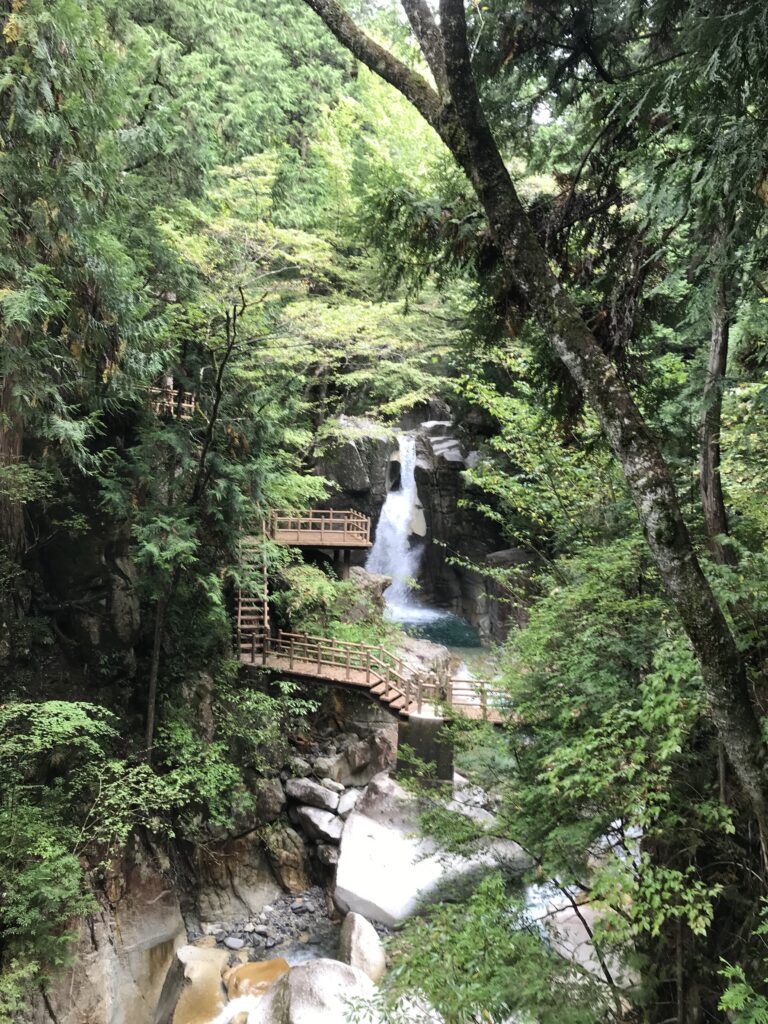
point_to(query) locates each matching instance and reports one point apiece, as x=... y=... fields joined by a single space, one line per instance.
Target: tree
x=453 y=108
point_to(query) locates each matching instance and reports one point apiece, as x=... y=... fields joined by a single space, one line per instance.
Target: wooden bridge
x=370 y=669
x=322 y=528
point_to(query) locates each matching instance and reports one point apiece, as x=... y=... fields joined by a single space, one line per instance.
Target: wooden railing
x=472 y=697
x=321 y=527
x=337 y=660
x=373 y=667
x=172 y=402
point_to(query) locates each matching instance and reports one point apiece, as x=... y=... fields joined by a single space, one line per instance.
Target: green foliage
x=485 y=960
x=63 y=793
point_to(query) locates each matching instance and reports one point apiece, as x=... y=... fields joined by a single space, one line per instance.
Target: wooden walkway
x=322 y=528
x=370 y=669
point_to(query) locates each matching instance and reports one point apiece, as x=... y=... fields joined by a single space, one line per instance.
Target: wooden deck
x=172 y=402
x=322 y=528
x=370 y=669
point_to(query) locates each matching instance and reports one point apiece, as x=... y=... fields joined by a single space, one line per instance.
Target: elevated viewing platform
x=321 y=528
x=172 y=402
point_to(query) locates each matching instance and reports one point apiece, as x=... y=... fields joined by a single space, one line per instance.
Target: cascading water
x=392 y=553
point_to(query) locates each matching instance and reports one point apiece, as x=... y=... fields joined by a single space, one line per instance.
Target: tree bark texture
x=457 y=116
x=154 y=673
x=710 y=485
x=12 y=533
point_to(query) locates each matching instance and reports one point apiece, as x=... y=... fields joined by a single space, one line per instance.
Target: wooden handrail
x=320 y=521
x=172 y=402
x=363 y=664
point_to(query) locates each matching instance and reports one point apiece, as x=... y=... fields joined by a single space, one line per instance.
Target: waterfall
x=392 y=553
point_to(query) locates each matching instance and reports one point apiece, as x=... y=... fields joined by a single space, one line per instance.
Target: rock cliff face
x=356 y=459
x=362 y=460
x=450 y=530
x=123 y=953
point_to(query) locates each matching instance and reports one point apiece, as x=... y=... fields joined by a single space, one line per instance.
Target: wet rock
x=347 y=802
x=317 y=992
x=306 y=791
x=288 y=858
x=192 y=990
x=361 y=947
x=319 y=824
x=269 y=798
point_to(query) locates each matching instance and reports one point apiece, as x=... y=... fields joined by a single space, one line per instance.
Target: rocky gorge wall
x=362 y=463
x=257 y=888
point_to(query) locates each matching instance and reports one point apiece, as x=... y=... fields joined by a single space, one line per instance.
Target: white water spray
x=392 y=553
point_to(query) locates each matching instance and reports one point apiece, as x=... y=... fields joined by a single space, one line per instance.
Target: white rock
x=361 y=947
x=347 y=802
x=320 y=824
x=317 y=992
x=384 y=869
x=478 y=814
x=307 y=791
x=335 y=787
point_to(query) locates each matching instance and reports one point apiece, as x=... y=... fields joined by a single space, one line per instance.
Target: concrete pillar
x=343 y=562
x=425 y=735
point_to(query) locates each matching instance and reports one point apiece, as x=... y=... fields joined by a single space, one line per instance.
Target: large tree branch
x=430 y=40
x=411 y=84
x=462 y=125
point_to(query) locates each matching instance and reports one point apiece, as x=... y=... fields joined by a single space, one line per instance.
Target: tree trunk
x=712 y=501
x=12 y=534
x=458 y=118
x=154 y=672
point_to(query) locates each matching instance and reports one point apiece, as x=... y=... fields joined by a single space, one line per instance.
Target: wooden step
x=379 y=688
x=392 y=695
x=398 y=703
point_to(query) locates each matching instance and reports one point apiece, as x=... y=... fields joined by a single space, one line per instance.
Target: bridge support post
x=426 y=736
x=343 y=560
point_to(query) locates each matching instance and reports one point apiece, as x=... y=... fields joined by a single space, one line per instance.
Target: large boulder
x=306 y=791
x=361 y=947
x=288 y=858
x=319 y=824
x=385 y=869
x=317 y=992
